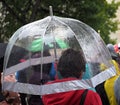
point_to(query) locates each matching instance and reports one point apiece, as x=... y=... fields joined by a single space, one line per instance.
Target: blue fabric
x=87 y=74
x=52 y=72
x=21 y=76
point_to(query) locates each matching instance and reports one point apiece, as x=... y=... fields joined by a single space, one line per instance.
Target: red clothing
x=71 y=97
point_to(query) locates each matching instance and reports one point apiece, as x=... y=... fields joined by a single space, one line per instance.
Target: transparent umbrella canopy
x=44 y=40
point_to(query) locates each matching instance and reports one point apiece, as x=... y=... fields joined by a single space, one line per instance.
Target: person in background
x=11 y=97
x=117 y=50
x=36 y=77
x=106 y=89
x=71 y=66
x=7 y=97
x=2 y=96
x=109 y=84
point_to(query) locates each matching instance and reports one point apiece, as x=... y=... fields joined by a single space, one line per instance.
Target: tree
x=96 y=13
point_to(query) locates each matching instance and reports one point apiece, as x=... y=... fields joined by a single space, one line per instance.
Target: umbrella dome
x=55 y=34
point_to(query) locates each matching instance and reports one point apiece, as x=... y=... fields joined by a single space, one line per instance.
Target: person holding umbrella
x=71 y=66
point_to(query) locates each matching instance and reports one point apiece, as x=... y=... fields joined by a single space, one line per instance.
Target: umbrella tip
x=51 y=10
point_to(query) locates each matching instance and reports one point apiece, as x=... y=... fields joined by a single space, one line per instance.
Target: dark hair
x=71 y=63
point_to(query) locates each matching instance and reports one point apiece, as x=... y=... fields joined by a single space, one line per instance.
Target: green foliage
x=96 y=13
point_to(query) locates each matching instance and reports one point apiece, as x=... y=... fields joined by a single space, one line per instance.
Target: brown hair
x=71 y=63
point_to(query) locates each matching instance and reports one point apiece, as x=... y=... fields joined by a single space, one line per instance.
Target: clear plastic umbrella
x=44 y=40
